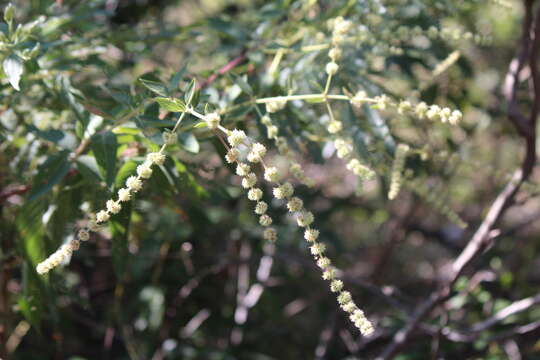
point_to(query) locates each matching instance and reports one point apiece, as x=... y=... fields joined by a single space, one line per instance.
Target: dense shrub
x=177 y=176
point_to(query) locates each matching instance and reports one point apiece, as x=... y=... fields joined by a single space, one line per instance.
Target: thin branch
x=483 y=237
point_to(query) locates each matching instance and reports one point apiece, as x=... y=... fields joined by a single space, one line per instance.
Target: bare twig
x=526 y=127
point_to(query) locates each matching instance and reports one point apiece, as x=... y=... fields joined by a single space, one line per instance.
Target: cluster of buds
x=63 y=254
x=420 y=110
x=340 y=27
x=397 y=170
x=283 y=148
x=405 y=33
x=249 y=178
x=212 y=120
x=133 y=185
x=304 y=219
x=360 y=170
x=276 y=104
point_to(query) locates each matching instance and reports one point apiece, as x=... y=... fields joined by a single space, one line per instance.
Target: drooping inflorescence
x=304 y=219
x=397 y=170
x=247 y=154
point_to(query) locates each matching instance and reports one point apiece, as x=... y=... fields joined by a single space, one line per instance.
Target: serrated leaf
x=170 y=104
x=13 y=68
x=189 y=142
x=155 y=87
x=104 y=146
x=50 y=173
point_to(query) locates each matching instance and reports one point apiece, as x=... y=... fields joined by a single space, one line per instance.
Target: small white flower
x=261 y=207
x=212 y=120
x=124 y=195
x=232 y=155
x=256 y=153
x=332 y=68
x=335 y=126
x=359 y=98
x=265 y=220
x=323 y=262
x=311 y=235
x=144 y=170
x=113 y=207
x=329 y=274
x=249 y=181
x=242 y=169
x=317 y=249
x=335 y=54
x=102 y=216
x=83 y=235
x=344 y=297
x=255 y=194
x=295 y=204
x=271 y=174
x=336 y=285
x=276 y=104
x=156 y=158
x=272 y=131
x=133 y=184
x=236 y=137
x=304 y=219
x=270 y=234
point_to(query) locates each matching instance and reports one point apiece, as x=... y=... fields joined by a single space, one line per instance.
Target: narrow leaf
x=104 y=146
x=13 y=68
x=169 y=104
x=50 y=173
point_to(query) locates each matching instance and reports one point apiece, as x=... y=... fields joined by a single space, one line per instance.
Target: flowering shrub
x=147 y=165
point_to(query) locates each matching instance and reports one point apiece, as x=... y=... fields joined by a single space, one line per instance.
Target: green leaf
x=189 y=142
x=177 y=77
x=88 y=167
x=62 y=139
x=9 y=12
x=191 y=93
x=170 y=104
x=104 y=146
x=50 y=173
x=155 y=87
x=128 y=169
x=13 y=68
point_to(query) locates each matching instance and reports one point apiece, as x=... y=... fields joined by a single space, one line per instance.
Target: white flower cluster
x=249 y=179
x=340 y=27
x=133 y=185
x=212 y=120
x=283 y=148
x=397 y=170
x=420 y=110
x=405 y=33
x=58 y=257
x=276 y=104
x=304 y=219
x=360 y=170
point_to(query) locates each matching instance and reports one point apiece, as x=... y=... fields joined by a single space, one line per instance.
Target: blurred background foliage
x=176 y=275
